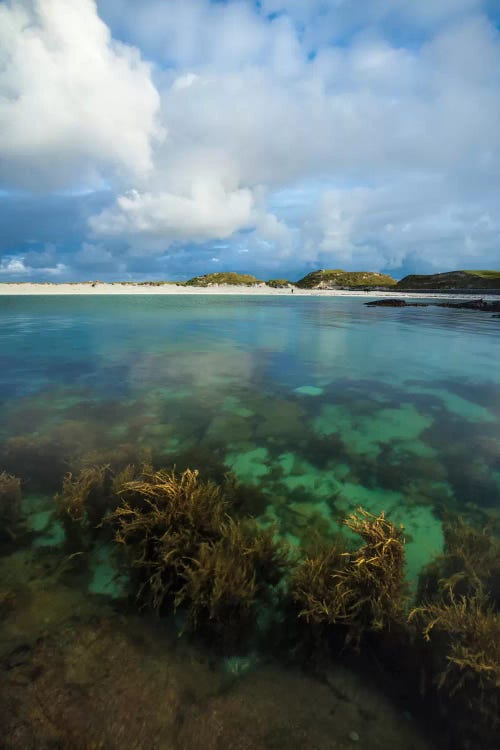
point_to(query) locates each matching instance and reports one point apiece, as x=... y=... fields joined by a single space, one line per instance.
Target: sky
x=161 y=139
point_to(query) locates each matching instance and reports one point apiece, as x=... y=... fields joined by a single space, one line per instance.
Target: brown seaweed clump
x=464 y=635
x=10 y=501
x=470 y=565
x=230 y=578
x=459 y=620
x=83 y=501
x=362 y=590
x=163 y=518
x=187 y=551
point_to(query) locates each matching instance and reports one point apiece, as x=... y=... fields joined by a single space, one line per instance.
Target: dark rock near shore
x=473 y=304
x=386 y=303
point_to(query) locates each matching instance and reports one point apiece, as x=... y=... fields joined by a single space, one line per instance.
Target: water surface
x=322 y=404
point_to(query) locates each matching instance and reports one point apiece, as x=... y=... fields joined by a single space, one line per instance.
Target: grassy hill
x=350 y=279
x=278 y=283
x=451 y=280
x=237 y=279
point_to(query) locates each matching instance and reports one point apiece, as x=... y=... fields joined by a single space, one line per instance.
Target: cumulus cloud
x=299 y=132
x=15 y=267
x=208 y=212
x=385 y=226
x=76 y=107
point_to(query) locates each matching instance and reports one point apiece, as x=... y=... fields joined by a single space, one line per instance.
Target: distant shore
x=97 y=289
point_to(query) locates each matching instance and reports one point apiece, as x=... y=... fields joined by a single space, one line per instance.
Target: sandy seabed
x=27 y=288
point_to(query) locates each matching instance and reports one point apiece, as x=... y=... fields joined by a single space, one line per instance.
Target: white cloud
x=207 y=212
x=12 y=266
x=380 y=146
x=382 y=227
x=200 y=33
x=16 y=266
x=75 y=106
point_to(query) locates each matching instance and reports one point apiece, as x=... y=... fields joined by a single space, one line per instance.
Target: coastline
x=118 y=288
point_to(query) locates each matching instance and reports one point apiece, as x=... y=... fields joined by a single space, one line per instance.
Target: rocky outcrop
x=473 y=304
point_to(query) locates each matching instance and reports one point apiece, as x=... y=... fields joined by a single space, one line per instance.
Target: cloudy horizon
x=169 y=138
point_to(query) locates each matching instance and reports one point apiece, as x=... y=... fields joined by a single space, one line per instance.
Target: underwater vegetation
x=362 y=589
x=192 y=548
x=458 y=618
x=10 y=500
x=87 y=498
x=82 y=498
x=188 y=552
x=469 y=567
x=230 y=580
x=467 y=628
x=162 y=519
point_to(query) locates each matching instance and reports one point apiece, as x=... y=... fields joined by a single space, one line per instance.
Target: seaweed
x=119 y=457
x=221 y=587
x=10 y=501
x=470 y=565
x=162 y=519
x=458 y=619
x=230 y=581
x=189 y=553
x=361 y=590
x=464 y=637
x=83 y=502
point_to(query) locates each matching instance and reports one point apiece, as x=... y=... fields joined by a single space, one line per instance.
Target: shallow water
x=323 y=404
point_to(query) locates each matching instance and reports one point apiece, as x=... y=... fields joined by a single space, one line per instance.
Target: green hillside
x=278 y=283
x=329 y=279
x=237 y=279
x=451 y=280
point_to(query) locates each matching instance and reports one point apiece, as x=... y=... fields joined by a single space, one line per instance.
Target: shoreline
x=118 y=288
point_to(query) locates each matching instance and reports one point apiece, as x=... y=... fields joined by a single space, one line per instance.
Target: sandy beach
x=89 y=288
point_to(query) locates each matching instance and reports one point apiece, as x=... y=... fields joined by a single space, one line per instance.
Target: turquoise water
x=321 y=404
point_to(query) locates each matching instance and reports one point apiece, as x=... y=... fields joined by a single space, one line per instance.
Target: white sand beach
x=103 y=288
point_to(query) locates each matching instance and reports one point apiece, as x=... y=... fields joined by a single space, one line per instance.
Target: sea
x=322 y=405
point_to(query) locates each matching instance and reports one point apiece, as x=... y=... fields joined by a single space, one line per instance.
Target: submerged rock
x=281 y=708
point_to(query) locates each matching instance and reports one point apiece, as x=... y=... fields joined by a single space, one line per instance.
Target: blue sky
x=168 y=138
